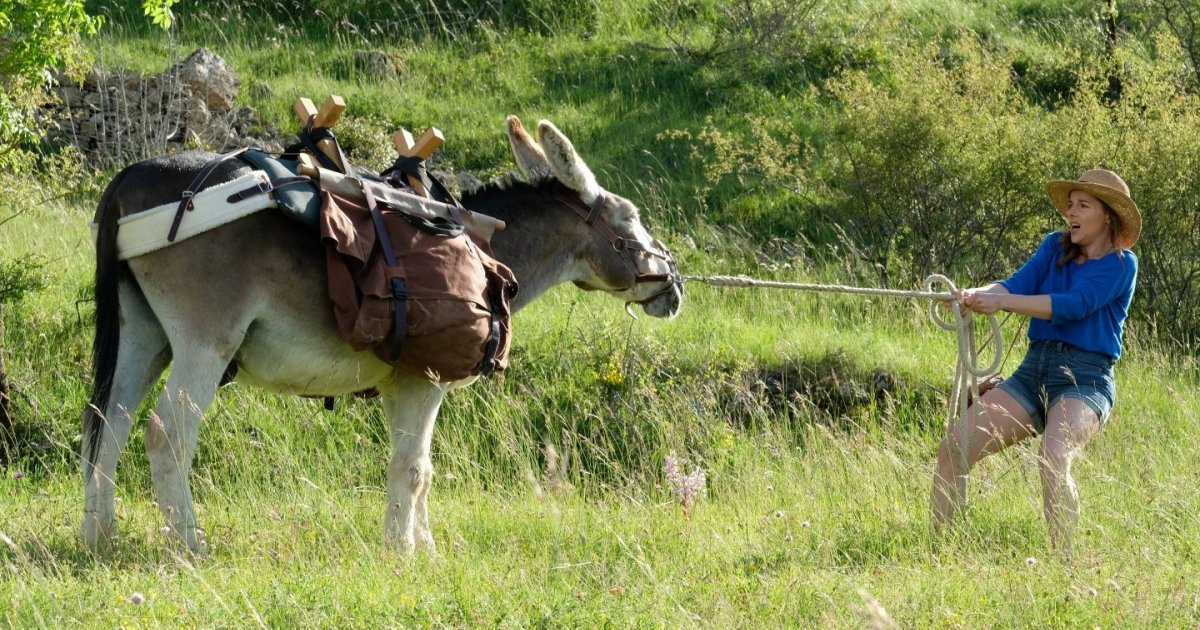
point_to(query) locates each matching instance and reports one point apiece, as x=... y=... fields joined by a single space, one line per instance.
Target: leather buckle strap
x=266 y=187
x=185 y=203
x=399 y=289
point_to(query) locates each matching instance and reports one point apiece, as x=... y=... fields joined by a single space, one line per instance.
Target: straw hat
x=1108 y=187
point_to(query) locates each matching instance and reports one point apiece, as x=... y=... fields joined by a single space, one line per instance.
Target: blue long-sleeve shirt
x=1088 y=302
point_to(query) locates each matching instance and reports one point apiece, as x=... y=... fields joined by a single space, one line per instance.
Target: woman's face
x=1089 y=222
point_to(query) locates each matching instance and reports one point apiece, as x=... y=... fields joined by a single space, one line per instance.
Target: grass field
x=550 y=504
x=808 y=518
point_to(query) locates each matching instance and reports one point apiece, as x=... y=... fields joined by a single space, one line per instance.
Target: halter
x=627 y=248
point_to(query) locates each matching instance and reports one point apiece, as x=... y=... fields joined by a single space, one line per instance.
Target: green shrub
x=945 y=170
x=939 y=170
x=1151 y=137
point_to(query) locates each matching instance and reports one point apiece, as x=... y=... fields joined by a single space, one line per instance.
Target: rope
x=967 y=370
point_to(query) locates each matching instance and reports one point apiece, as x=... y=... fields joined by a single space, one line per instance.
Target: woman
x=1076 y=289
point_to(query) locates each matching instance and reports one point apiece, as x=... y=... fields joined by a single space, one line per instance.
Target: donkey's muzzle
x=665 y=303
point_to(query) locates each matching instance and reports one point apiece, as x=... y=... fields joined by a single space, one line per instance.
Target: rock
x=377 y=64
x=115 y=117
x=71 y=96
x=96 y=101
x=208 y=75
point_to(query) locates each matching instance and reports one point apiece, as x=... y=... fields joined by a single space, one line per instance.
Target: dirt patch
x=825 y=388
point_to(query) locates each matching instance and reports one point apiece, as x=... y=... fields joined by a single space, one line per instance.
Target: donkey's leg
x=142 y=356
x=413 y=406
x=173 y=430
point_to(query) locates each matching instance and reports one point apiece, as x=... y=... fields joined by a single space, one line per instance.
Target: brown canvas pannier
x=455 y=294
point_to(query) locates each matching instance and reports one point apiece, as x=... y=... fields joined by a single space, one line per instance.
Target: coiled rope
x=967 y=370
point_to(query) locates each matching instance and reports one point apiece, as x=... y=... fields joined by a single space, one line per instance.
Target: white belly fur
x=296 y=364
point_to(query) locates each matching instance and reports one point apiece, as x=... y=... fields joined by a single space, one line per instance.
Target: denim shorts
x=1056 y=369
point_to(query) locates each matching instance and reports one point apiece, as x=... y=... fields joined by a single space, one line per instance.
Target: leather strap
x=399 y=289
x=185 y=204
x=487 y=364
x=266 y=187
x=310 y=136
x=592 y=216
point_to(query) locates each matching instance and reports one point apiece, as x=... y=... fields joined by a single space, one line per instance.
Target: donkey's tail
x=109 y=270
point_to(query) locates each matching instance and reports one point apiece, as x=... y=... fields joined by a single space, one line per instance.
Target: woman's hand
x=981 y=301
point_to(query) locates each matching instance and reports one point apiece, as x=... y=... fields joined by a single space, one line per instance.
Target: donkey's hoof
x=97 y=532
x=405 y=545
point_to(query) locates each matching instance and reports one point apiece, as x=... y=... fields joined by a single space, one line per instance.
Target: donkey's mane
x=513 y=198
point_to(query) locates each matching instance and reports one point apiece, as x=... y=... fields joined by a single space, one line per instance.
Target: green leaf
x=159 y=12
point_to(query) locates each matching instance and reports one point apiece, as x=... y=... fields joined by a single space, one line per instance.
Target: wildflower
x=1092 y=591
x=165 y=529
x=1030 y=561
x=778 y=513
x=20 y=474
x=805 y=524
x=685 y=488
x=137 y=598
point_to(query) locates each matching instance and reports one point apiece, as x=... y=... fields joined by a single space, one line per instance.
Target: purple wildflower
x=137 y=599
x=20 y=474
x=685 y=488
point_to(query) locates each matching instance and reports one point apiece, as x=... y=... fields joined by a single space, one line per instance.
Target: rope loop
x=934 y=313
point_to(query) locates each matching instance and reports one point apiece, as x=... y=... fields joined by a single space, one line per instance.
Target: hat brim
x=1131 y=218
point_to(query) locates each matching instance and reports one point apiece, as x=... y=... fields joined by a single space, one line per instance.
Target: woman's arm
x=995 y=297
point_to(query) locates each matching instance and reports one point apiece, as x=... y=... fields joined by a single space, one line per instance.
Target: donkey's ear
x=566 y=164
x=529 y=156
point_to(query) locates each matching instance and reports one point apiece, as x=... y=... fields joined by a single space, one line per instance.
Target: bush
x=1151 y=136
x=743 y=34
x=945 y=171
x=942 y=165
x=941 y=170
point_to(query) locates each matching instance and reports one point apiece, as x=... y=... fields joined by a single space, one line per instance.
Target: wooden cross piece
x=327 y=117
x=421 y=149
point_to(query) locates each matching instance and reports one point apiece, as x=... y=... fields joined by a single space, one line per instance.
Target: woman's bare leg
x=1001 y=422
x=1070 y=424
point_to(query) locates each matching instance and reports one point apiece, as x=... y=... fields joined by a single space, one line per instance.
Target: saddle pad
x=146 y=231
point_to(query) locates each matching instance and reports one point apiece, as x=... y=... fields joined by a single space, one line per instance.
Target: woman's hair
x=1071 y=251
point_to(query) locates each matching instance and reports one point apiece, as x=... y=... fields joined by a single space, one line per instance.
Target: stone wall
x=120 y=117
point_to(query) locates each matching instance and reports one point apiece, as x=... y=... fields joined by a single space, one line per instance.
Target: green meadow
x=862 y=143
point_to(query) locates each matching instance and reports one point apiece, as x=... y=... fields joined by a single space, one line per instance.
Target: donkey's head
x=621 y=257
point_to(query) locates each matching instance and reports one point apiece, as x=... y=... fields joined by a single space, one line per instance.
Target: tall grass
x=808 y=513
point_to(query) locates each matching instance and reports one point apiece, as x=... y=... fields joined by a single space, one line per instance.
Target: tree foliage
x=36 y=38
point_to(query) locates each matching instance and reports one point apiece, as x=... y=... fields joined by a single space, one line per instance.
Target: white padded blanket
x=145 y=232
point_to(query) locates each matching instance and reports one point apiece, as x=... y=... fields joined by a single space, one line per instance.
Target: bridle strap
x=597 y=208
x=592 y=216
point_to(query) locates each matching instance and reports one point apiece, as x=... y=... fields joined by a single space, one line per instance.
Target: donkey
x=251 y=294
